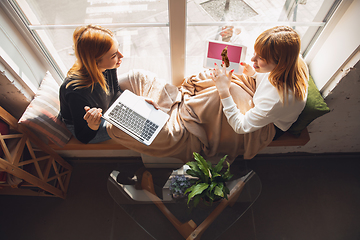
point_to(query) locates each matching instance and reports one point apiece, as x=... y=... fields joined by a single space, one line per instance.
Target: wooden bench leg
x=185 y=229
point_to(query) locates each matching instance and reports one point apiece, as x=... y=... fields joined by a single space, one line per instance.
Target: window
x=142 y=27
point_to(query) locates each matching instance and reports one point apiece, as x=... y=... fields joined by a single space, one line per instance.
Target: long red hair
x=282 y=45
x=91 y=42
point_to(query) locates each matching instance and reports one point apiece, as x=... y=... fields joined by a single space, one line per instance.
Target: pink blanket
x=196 y=123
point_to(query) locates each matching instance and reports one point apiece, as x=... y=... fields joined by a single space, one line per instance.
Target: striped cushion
x=41 y=115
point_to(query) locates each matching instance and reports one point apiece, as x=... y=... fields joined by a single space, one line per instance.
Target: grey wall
x=11 y=99
x=338 y=130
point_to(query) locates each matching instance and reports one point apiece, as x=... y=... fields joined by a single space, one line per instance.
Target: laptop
x=236 y=54
x=133 y=115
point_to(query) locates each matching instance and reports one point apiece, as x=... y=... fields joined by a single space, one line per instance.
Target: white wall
x=19 y=57
x=21 y=69
x=342 y=40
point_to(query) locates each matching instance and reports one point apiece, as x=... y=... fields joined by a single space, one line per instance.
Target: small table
x=171 y=218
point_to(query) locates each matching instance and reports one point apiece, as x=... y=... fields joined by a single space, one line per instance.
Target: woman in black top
x=91 y=84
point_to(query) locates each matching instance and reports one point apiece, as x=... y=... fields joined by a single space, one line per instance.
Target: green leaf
x=193 y=173
x=221 y=185
x=228 y=177
x=218 y=191
x=219 y=165
x=226 y=190
x=196 y=189
x=202 y=164
x=199 y=159
x=227 y=174
x=193 y=165
x=189 y=189
x=215 y=175
x=212 y=185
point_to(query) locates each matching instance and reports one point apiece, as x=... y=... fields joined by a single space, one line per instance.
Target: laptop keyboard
x=135 y=123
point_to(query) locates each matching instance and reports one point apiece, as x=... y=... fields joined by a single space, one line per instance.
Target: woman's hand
x=93 y=117
x=226 y=33
x=148 y=100
x=222 y=81
x=248 y=69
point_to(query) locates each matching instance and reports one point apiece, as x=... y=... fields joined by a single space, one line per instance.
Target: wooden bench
x=285 y=140
x=111 y=149
x=75 y=144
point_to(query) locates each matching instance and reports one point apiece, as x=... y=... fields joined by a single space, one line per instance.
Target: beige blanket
x=196 y=123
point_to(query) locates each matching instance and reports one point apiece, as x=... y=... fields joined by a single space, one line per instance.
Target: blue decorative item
x=178 y=186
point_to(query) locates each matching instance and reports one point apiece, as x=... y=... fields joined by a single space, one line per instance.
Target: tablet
x=236 y=54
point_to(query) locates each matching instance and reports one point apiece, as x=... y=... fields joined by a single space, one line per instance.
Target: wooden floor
x=312 y=197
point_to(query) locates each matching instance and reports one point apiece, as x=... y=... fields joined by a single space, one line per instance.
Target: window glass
x=142 y=26
x=144 y=45
x=245 y=20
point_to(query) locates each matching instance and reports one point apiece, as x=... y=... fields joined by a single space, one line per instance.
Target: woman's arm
x=253 y=119
x=234 y=116
x=77 y=109
x=93 y=117
x=248 y=69
x=222 y=81
x=232 y=113
x=257 y=117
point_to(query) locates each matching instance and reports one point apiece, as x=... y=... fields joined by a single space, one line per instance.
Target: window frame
x=177 y=28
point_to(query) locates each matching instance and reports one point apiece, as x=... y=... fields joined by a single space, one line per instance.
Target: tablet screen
x=215 y=54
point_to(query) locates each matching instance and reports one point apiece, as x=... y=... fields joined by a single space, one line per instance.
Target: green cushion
x=315 y=107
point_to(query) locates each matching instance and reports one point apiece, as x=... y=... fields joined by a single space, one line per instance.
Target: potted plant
x=178 y=186
x=209 y=183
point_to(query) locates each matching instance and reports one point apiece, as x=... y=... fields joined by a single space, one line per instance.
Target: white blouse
x=268 y=108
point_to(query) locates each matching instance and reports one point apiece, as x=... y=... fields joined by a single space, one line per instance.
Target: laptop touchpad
x=143 y=107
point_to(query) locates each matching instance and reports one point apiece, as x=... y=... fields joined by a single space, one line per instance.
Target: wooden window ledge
x=285 y=140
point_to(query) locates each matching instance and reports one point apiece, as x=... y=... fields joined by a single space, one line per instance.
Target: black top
x=72 y=103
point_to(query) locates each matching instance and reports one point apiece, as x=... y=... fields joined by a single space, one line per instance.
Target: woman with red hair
x=91 y=84
x=281 y=77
